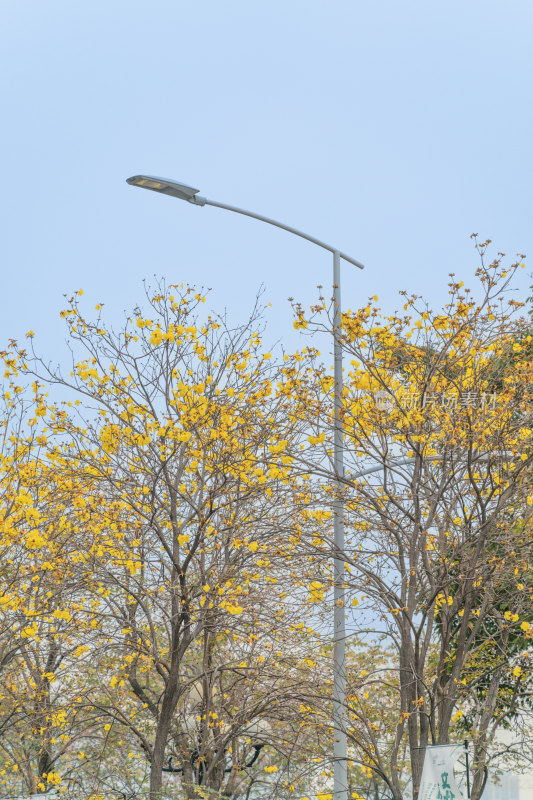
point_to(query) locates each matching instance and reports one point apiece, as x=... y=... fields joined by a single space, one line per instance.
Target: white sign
x=438 y=780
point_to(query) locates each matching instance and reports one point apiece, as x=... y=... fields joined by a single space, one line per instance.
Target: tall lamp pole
x=340 y=750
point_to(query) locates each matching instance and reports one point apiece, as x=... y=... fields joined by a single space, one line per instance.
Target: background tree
x=40 y=682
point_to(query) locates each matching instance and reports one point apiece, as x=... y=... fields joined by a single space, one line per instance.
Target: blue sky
x=391 y=130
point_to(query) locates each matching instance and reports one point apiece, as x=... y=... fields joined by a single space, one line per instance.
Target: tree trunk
x=158 y=754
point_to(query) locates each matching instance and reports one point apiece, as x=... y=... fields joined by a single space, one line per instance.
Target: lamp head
x=165 y=186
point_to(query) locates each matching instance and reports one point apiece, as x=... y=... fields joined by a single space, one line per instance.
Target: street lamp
x=340 y=752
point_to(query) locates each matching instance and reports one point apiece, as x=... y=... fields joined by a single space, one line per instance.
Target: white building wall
x=510 y=787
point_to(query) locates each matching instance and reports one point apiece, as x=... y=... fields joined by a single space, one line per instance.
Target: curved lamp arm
x=188 y=193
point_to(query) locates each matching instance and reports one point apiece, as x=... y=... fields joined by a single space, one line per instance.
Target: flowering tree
x=437 y=543
x=40 y=679
x=190 y=514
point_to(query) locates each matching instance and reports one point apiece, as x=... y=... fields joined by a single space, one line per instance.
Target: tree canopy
x=166 y=535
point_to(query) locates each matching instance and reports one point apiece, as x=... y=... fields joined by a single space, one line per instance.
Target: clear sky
x=392 y=130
